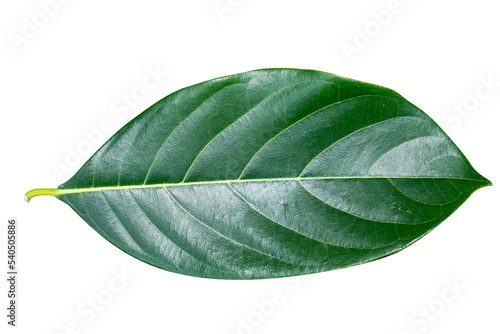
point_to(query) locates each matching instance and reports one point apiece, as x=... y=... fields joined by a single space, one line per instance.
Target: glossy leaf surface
x=272 y=173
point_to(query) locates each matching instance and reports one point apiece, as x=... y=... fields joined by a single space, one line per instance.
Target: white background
x=61 y=79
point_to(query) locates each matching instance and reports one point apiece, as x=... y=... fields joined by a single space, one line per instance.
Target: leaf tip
x=488 y=182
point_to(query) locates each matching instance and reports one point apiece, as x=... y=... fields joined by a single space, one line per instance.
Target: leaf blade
x=272 y=173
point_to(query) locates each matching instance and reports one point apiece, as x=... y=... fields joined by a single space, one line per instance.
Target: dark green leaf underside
x=272 y=173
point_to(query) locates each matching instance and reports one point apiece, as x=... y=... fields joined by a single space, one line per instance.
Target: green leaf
x=271 y=173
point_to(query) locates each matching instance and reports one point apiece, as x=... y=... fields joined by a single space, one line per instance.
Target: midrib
x=57 y=192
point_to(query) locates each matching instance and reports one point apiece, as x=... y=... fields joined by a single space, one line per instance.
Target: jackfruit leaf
x=271 y=173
